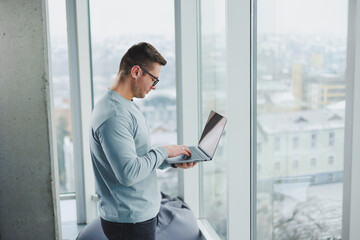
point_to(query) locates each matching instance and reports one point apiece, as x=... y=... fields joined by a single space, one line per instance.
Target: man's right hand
x=176 y=150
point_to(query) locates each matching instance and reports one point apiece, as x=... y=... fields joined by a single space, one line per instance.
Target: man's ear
x=135 y=71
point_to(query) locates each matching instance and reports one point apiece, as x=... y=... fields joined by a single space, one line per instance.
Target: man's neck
x=123 y=88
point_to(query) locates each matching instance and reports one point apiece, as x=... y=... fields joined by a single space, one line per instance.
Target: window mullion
x=239 y=117
x=80 y=85
x=351 y=192
x=187 y=92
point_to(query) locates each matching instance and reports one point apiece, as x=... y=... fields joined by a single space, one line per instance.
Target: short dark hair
x=142 y=54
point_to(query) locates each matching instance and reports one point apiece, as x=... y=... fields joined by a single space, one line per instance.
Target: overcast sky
x=111 y=18
x=322 y=17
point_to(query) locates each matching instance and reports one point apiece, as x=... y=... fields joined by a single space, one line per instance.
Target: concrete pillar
x=28 y=209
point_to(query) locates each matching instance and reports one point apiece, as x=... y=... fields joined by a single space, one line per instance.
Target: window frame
x=313 y=140
x=331 y=142
x=241 y=127
x=295 y=142
x=241 y=58
x=187 y=50
x=81 y=105
x=351 y=193
x=295 y=164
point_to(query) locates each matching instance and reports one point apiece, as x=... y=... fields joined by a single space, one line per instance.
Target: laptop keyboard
x=196 y=153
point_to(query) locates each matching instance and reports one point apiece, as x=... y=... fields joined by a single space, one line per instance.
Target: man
x=123 y=160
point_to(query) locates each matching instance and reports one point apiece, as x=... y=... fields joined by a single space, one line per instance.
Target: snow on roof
x=336 y=105
x=282 y=98
x=312 y=120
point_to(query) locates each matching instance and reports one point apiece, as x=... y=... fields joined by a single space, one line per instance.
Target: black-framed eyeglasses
x=156 y=79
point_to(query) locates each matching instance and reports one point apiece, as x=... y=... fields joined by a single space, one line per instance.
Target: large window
x=63 y=118
x=115 y=27
x=301 y=63
x=213 y=97
x=61 y=87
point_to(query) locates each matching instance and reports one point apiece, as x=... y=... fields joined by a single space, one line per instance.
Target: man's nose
x=153 y=87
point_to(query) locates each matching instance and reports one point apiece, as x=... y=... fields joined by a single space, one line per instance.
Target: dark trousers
x=130 y=231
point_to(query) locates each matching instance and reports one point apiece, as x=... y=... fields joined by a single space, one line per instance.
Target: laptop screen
x=212 y=132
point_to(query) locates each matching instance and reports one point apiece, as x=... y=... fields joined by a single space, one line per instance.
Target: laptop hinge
x=204 y=152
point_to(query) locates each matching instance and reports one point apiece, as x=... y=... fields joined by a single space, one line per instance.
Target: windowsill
x=67 y=196
x=207 y=232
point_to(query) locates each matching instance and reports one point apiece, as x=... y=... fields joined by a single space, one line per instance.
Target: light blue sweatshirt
x=123 y=161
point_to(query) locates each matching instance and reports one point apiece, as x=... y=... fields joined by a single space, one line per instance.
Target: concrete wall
x=27 y=205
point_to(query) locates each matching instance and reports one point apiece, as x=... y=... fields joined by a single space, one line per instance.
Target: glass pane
x=61 y=90
x=213 y=97
x=114 y=29
x=301 y=63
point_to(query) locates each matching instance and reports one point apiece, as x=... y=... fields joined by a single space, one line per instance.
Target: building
x=326 y=89
x=299 y=144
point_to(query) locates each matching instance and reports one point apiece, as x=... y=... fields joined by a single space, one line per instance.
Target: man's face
x=144 y=83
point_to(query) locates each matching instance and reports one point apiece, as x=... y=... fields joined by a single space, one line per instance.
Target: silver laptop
x=208 y=142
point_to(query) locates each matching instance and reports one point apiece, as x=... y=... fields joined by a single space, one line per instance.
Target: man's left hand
x=186 y=165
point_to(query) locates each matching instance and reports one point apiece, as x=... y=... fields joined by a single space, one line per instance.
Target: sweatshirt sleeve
x=116 y=138
x=164 y=164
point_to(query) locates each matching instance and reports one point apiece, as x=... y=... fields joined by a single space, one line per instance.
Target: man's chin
x=144 y=94
x=141 y=96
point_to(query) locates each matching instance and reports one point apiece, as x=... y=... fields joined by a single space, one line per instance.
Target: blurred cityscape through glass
x=301 y=63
